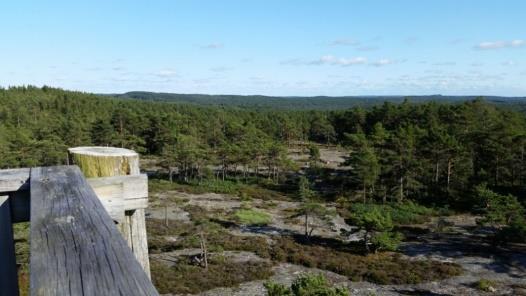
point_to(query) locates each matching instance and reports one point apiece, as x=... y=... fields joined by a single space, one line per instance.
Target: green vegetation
x=185 y=278
x=21 y=236
x=381 y=268
x=503 y=211
x=252 y=217
x=379 y=220
x=302 y=103
x=378 y=228
x=485 y=285
x=406 y=162
x=429 y=153
x=310 y=205
x=306 y=285
x=406 y=213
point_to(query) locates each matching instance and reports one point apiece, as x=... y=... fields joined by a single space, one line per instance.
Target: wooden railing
x=75 y=245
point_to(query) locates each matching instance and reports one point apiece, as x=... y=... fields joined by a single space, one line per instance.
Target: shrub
x=485 y=285
x=252 y=217
x=382 y=268
x=401 y=213
x=386 y=241
x=275 y=289
x=184 y=278
x=306 y=285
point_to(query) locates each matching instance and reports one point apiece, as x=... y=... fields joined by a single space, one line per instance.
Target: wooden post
x=8 y=273
x=76 y=248
x=107 y=162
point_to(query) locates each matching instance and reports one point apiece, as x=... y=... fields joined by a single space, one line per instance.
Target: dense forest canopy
x=430 y=152
x=305 y=103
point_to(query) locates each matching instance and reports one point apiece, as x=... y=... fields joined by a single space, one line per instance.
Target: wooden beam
x=8 y=272
x=118 y=194
x=76 y=248
x=14 y=180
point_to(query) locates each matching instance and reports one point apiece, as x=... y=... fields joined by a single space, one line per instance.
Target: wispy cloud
x=345 y=42
x=212 y=46
x=500 y=44
x=293 y=62
x=336 y=61
x=165 y=73
x=220 y=69
x=367 y=48
x=383 y=62
x=445 y=64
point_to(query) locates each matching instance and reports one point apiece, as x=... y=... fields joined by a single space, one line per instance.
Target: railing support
x=8 y=272
x=96 y=162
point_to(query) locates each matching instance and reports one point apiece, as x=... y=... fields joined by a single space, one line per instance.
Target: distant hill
x=304 y=103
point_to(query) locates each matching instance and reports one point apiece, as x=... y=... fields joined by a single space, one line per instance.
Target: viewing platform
x=87 y=228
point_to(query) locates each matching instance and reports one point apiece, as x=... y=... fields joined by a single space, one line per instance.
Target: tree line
x=431 y=152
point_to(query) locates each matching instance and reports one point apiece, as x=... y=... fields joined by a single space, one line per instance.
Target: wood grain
x=76 y=248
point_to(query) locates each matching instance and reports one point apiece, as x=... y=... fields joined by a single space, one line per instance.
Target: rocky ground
x=461 y=242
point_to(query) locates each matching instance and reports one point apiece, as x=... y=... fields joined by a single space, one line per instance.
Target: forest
x=402 y=161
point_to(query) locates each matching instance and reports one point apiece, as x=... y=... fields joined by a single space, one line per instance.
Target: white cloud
x=500 y=44
x=294 y=62
x=220 y=69
x=165 y=73
x=367 y=48
x=445 y=64
x=335 y=61
x=212 y=46
x=345 y=42
x=383 y=62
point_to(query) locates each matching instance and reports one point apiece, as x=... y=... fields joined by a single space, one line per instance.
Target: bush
x=252 y=217
x=306 y=285
x=401 y=213
x=386 y=241
x=485 y=285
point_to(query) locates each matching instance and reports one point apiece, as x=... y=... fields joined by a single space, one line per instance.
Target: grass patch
x=184 y=278
x=252 y=217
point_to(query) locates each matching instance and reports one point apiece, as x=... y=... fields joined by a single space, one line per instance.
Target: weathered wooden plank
x=76 y=248
x=117 y=194
x=13 y=179
x=8 y=275
x=131 y=186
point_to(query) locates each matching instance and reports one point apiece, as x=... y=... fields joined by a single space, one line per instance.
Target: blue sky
x=281 y=47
